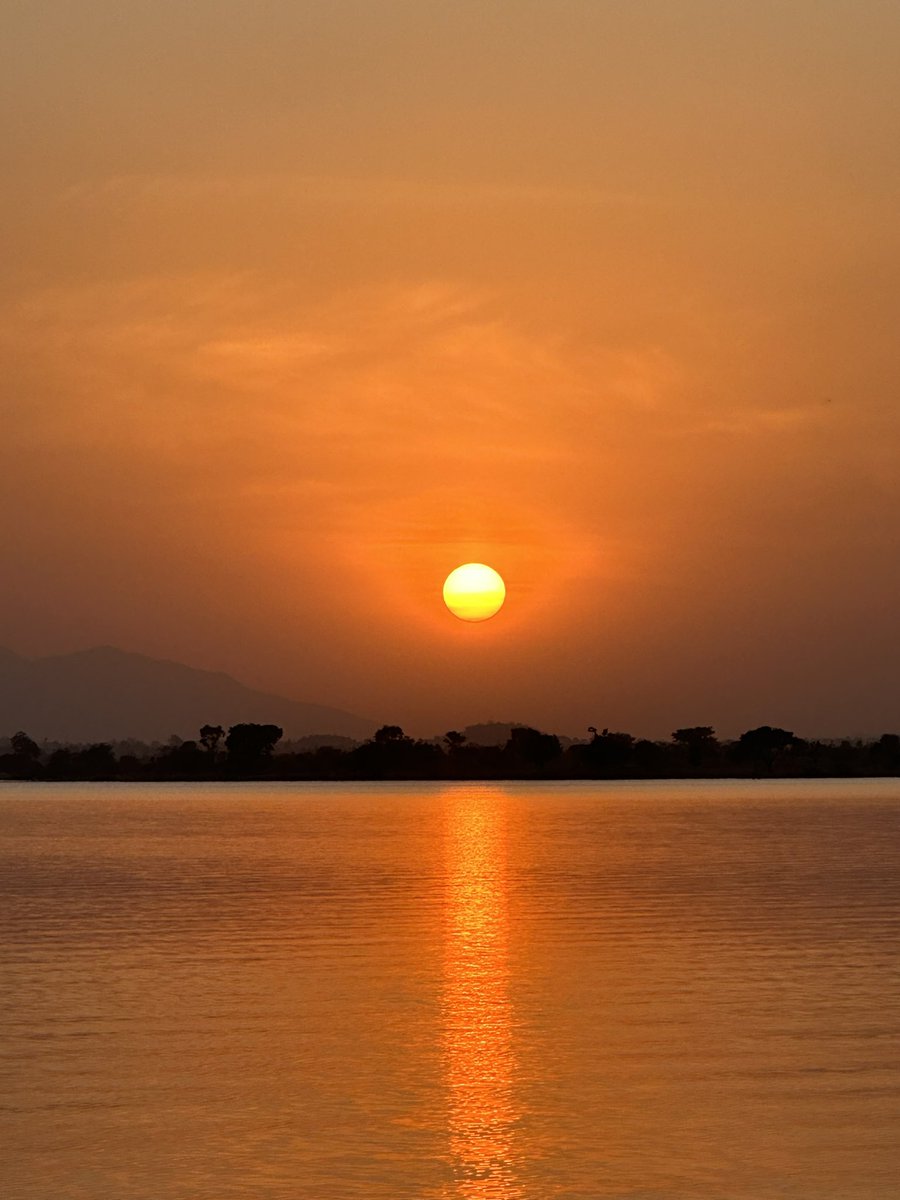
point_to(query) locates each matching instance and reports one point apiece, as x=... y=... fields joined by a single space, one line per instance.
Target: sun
x=474 y=592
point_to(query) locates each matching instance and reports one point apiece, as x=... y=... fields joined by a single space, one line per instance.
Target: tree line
x=250 y=751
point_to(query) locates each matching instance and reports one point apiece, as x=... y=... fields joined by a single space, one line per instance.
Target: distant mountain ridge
x=106 y=694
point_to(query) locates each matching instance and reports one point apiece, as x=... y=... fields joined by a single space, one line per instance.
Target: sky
x=305 y=304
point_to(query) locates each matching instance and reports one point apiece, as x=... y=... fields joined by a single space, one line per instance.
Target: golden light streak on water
x=478 y=1024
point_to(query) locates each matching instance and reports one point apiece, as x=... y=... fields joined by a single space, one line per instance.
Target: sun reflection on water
x=479 y=1054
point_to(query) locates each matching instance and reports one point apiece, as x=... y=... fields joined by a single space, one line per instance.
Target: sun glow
x=474 y=592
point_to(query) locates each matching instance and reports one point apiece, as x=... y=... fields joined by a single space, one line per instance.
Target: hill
x=105 y=694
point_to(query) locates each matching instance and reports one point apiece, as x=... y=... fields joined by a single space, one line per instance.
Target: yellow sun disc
x=474 y=592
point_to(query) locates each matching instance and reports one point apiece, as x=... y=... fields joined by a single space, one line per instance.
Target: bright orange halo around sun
x=474 y=592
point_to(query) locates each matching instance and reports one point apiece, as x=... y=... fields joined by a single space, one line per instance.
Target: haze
x=306 y=304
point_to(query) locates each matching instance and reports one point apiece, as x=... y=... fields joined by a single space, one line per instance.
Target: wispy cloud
x=178 y=189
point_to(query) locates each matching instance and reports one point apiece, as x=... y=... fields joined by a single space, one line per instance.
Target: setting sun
x=474 y=592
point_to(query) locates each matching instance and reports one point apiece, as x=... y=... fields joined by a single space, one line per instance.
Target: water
x=514 y=992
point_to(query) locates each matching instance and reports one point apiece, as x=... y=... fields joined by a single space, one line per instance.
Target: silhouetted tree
x=700 y=743
x=24 y=747
x=650 y=758
x=846 y=758
x=182 y=761
x=87 y=762
x=761 y=746
x=250 y=746
x=390 y=754
x=606 y=753
x=24 y=760
x=129 y=766
x=470 y=760
x=530 y=748
x=61 y=765
x=885 y=754
x=389 y=734
x=210 y=736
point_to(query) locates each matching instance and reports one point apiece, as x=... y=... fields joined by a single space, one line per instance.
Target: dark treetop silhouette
x=249 y=751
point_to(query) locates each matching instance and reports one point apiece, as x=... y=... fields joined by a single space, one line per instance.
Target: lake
x=651 y=991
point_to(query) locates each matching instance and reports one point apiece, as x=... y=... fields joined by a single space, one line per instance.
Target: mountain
x=106 y=694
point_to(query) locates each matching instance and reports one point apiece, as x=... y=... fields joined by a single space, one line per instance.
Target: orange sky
x=305 y=304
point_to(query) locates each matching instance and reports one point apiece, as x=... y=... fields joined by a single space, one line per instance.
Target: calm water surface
x=512 y=992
